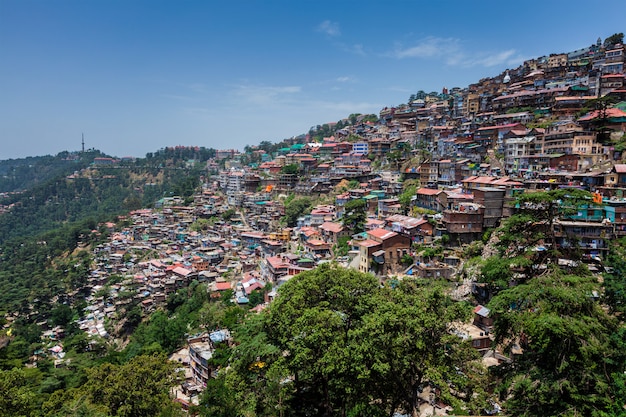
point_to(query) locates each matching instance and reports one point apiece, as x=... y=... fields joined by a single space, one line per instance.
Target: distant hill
x=43 y=193
x=25 y=173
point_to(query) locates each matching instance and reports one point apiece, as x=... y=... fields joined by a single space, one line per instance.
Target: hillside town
x=467 y=153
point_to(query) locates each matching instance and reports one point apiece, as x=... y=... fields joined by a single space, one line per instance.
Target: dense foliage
x=337 y=343
x=566 y=348
x=25 y=173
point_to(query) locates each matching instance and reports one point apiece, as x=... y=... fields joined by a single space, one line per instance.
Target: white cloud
x=177 y=97
x=356 y=49
x=196 y=87
x=344 y=107
x=450 y=51
x=265 y=94
x=508 y=57
x=430 y=47
x=329 y=28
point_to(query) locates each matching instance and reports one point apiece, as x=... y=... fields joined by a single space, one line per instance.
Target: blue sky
x=136 y=76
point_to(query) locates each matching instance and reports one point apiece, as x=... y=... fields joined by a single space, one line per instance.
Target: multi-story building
x=428 y=198
x=200 y=352
x=557 y=60
x=464 y=222
x=446 y=174
x=232 y=181
x=360 y=148
x=567 y=138
x=384 y=250
x=614 y=59
x=610 y=82
x=492 y=199
x=412 y=227
x=615 y=210
x=471 y=104
x=517 y=153
x=591 y=237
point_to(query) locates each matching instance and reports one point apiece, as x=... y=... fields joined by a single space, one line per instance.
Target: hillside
x=26 y=173
x=44 y=193
x=112 y=295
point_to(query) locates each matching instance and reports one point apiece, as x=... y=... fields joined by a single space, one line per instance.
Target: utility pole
x=83 y=136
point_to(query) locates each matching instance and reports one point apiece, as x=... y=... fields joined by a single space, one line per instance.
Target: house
x=390 y=249
x=620 y=170
x=412 y=227
x=201 y=348
x=331 y=232
x=317 y=248
x=428 y=198
x=482 y=181
x=273 y=268
x=482 y=319
x=431 y=270
x=321 y=214
x=200 y=352
x=388 y=206
x=615 y=210
x=366 y=248
x=592 y=237
x=220 y=285
x=480 y=339
x=464 y=222
x=492 y=199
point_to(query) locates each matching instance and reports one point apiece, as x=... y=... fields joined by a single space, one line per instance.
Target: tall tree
x=614 y=294
x=565 y=356
x=296 y=208
x=354 y=348
x=409 y=351
x=526 y=241
x=354 y=215
x=313 y=319
x=614 y=39
x=17 y=398
x=406 y=197
x=138 y=388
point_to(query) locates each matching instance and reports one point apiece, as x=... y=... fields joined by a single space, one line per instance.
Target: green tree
x=408 y=347
x=341 y=248
x=61 y=315
x=290 y=169
x=614 y=294
x=296 y=208
x=354 y=348
x=406 y=197
x=601 y=121
x=17 y=398
x=256 y=382
x=614 y=39
x=228 y=214
x=313 y=319
x=566 y=358
x=526 y=241
x=218 y=400
x=354 y=215
x=137 y=388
